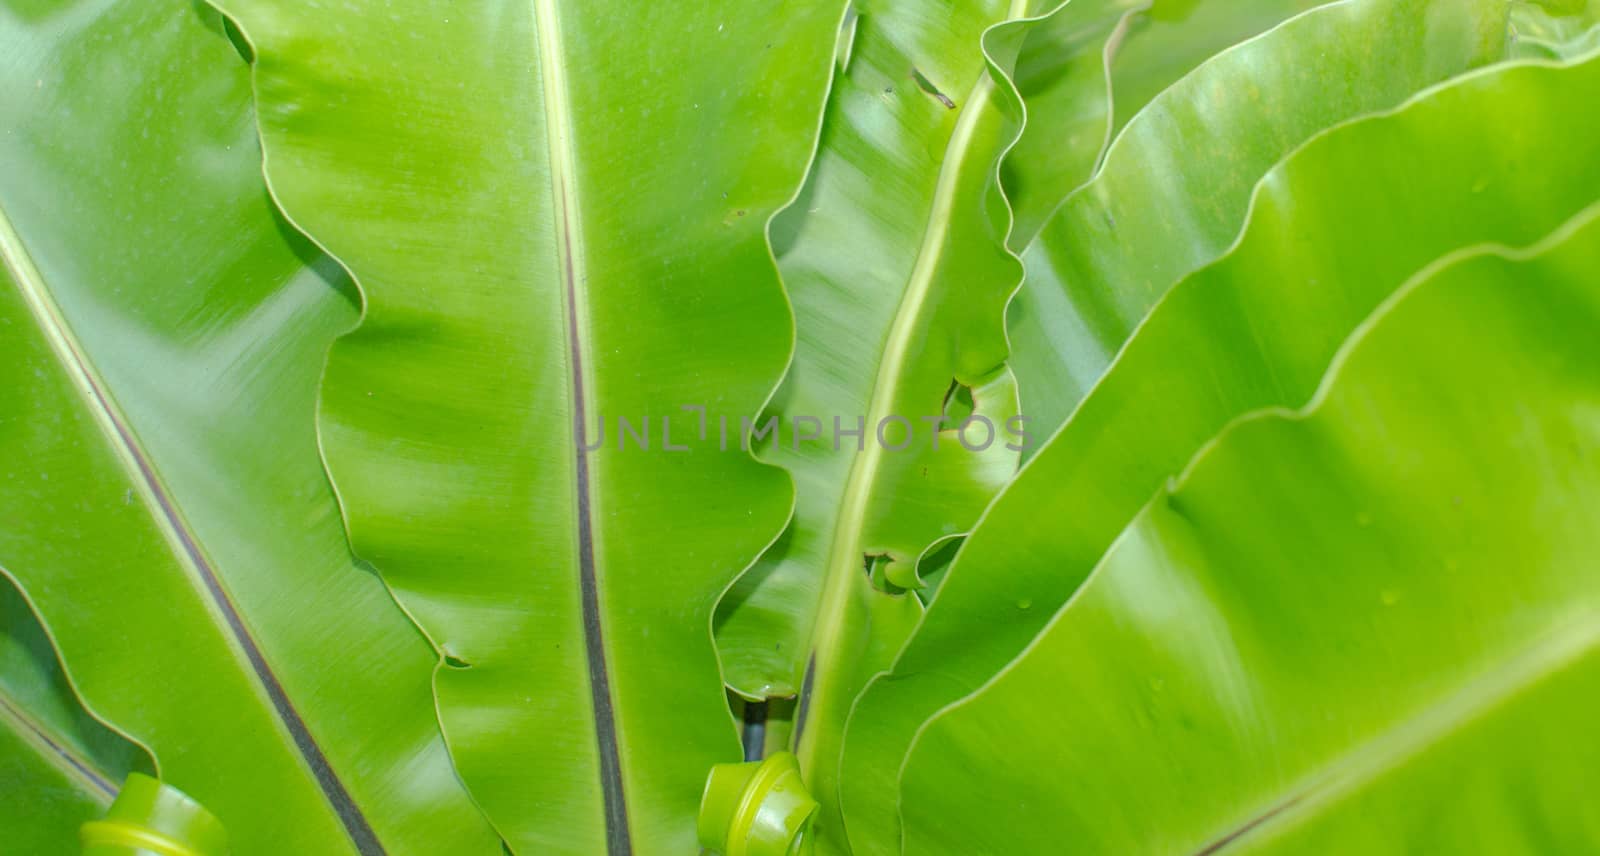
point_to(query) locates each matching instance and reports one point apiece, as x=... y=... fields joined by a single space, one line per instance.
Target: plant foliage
x=433 y=427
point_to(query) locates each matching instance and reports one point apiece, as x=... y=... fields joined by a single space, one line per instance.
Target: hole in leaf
x=928 y=87
x=958 y=404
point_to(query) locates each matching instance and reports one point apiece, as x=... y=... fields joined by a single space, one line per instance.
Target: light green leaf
x=1555 y=29
x=895 y=259
x=556 y=212
x=1334 y=229
x=1063 y=77
x=1091 y=68
x=1176 y=182
x=165 y=508
x=1371 y=626
x=59 y=766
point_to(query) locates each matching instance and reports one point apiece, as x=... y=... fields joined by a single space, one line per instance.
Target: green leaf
x=48 y=797
x=1094 y=66
x=556 y=212
x=59 y=766
x=1555 y=29
x=1063 y=77
x=166 y=510
x=1176 y=183
x=1371 y=626
x=897 y=417
x=1334 y=229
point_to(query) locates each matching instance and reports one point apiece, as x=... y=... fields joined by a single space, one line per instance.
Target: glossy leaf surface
x=1063 y=78
x=1176 y=183
x=1094 y=66
x=556 y=211
x=863 y=339
x=165 y=508
x=894 y=257
x=58 y=765
x=1335 y=229
x=1312 y=643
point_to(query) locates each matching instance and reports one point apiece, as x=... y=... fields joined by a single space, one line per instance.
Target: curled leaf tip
x=759 y=808
x=151 y=817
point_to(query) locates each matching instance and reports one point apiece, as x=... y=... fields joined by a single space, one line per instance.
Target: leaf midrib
x=57 y=751
x=1476 y=700
x=844 y=554
x=182 y=541
x=570 y=259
